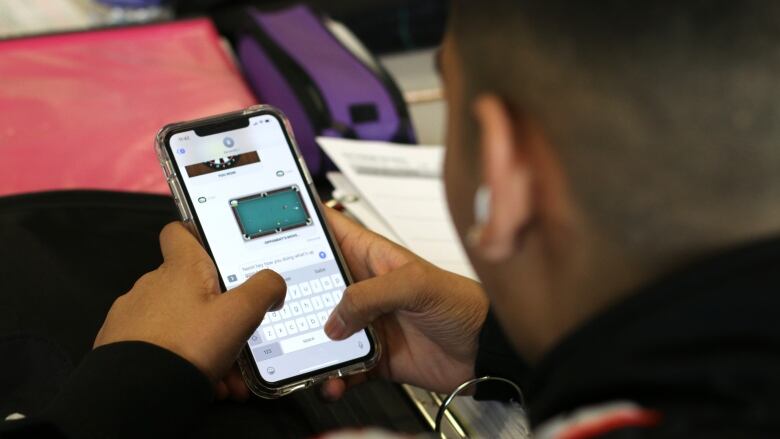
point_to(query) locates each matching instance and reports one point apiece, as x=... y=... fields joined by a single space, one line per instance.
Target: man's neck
x=577 y=279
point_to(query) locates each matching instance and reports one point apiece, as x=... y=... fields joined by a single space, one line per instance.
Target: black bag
x=319 y=75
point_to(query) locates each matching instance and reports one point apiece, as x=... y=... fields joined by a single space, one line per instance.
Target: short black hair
x=665 y=115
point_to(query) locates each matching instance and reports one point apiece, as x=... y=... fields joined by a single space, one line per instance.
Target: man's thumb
x=249 y=302
x=365 y=301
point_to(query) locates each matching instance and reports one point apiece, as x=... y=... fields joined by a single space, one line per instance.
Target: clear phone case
x=245 y=360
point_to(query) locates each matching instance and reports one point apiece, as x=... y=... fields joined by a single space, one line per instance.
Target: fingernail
x=277 y=306
x=335 y=328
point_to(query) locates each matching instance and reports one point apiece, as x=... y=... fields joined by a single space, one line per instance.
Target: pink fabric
x=80 y=110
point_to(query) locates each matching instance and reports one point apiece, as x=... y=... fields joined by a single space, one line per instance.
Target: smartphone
x=242 y=186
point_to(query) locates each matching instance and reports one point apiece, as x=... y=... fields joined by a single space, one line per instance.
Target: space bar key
x=303 y=341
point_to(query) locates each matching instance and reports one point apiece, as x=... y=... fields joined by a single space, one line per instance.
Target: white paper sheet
x=350 y=198
x=403 y=185
x=22 y=17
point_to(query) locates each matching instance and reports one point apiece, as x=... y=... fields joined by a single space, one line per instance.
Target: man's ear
x=506 y=173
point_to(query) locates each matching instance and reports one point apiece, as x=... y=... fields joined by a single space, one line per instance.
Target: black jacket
x=700 y=348
x=128 y=389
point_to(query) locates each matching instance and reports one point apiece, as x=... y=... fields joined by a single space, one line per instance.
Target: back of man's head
x=665 y=115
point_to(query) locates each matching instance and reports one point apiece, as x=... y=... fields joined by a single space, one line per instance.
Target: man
x=612 y=170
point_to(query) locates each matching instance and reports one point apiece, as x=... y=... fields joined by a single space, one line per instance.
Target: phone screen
x=249 y=198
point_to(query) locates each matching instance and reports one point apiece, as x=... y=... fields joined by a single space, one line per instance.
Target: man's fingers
x=247 y=304
x=221 y=391
x=365 y=301
x=235 y=384
x=340 y=224
x=176 y=243
x=353 y=240
x=367 y=253
x=335 y=388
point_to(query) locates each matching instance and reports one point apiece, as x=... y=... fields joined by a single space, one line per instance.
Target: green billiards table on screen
x=270 y=212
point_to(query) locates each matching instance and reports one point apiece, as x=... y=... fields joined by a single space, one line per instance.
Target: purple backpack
x=320 y=76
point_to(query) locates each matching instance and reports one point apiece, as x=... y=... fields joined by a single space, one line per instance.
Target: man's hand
x=179 y=307
x=428 y=319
